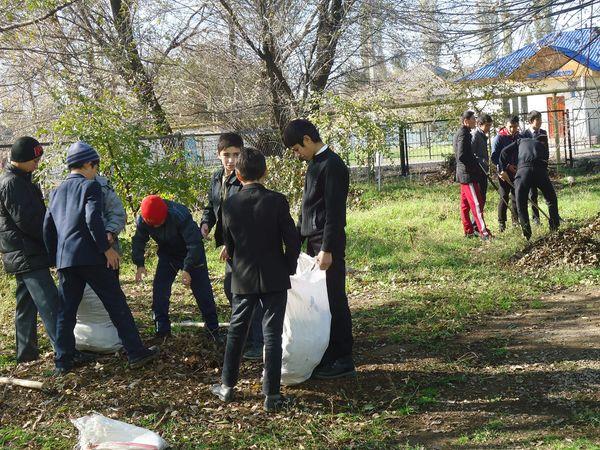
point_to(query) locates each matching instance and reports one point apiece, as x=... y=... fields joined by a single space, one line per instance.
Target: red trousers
x=472 y=200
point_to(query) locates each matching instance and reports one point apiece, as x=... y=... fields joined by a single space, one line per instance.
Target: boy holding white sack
x=256 y=226
x=94 y=330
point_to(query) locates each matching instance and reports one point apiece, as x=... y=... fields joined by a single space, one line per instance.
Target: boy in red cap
x=180 y=247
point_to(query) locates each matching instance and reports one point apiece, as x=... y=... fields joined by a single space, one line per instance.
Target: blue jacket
x=74 y=232
x=502 y=139
x=179 y=238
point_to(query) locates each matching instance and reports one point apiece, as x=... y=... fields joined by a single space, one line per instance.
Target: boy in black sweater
x=256 y=226
x=223 y=185
x=322 y=221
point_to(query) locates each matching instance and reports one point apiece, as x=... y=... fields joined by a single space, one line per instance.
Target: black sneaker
x=224 y=393
x=253 y=353
x=61 y=371
x=342 y=367
x=163 y=334
x=151 y=354
x=275 y=403
x=81 y=358
x=216 y=337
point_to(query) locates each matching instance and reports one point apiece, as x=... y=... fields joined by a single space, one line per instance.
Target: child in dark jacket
x=180 y=247
x=223 y=185
x=75 y=237
x=257 y=226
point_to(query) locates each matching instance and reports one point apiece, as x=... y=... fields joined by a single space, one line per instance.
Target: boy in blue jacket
x=180 y=247
x=75 y=237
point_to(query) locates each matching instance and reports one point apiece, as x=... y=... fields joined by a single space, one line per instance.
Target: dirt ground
x=522 y=380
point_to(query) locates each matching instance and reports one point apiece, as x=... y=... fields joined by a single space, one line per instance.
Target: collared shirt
x=322 y=149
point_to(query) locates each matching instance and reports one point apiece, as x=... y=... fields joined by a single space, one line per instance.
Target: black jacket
x=467 y=169
x=179 y=238
x=256 y=226
x=22 y=213
x=528 y=153
x=212 y=211
x=324 y=200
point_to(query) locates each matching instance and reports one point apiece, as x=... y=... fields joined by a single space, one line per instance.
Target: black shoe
x=151 y=354
x=163 y=334
x=253 y=353
x=81 y=358
x=342 y=367
x=61 y=371
x=526 y=231
x=224 y=393
x=275 y=403
x=216 y=337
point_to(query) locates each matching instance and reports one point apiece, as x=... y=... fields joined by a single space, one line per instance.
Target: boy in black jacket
x=223 y=185
x=469 y=175
x=256 y=226
x=322 y=221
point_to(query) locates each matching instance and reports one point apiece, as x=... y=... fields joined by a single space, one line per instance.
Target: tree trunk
x=331 y=16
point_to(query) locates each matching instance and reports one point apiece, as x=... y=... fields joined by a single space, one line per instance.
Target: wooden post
x=556 y=130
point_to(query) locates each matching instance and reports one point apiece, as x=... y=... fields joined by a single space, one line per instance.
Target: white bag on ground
x=94 y=331
x=307 y=322
x=98 y=432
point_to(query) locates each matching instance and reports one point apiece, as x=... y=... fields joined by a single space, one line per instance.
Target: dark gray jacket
x=22 y=212
x=467 y=170
x=479 y=143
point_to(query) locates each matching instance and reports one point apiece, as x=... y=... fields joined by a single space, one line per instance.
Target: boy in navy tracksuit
x=256 y=226
x=75 y=237
x=223 y=185
x=180 y=247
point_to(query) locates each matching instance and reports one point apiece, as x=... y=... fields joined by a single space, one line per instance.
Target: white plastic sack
x=307 y=322
x=94 y=331
x=101 y=433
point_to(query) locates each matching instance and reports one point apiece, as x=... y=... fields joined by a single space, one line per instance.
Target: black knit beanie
x=25 y=149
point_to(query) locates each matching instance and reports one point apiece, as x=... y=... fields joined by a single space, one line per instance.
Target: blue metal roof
x=582 y=46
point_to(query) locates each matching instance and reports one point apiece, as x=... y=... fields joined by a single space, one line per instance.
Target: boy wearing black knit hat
x=76 y=239
x=22 y=212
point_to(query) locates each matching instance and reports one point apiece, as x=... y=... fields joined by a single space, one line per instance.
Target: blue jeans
x=166 y=271
x=105 y=283
x=36 y=292
x=273 y=305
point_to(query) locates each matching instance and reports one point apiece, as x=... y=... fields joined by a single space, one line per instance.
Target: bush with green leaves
x=137 y=165
x=285 y=174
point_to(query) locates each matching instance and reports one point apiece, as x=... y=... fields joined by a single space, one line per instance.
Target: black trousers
x=535 y=177
x=507 y=196
x=340 y=338
x=533 y=198
x=244 y=305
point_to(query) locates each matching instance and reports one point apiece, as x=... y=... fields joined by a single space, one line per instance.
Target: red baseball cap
x=154 y=210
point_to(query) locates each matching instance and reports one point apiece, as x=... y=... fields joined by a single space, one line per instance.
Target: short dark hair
x=484 y=118
x=251 y=164
x=79 y=165
x=229 y=140
x=512 y=119
x=468 y=114
x=534 y=115
x=296 y=130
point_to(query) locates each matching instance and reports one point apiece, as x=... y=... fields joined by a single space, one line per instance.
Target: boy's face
x=536 y=123
x=29 y=166
x=513 y=128
x=486 y=127
x=470 y=122
x=90 y=170
x=307 y=150
x=229 y=157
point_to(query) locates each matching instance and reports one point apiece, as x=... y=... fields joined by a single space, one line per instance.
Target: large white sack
x=98 y=432
x=94 y=331
x=307 y=322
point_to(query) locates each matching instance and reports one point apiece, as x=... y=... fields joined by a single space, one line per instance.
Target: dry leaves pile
x=574 y=247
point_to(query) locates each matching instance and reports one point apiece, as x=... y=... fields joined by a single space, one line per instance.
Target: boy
x=506 y=136
x=534 y=118
x=469 y=175
x=24 y=254
x=180 y=247
x=321 y=223
x=223 y=185
x=76 y=239
x=532 y=173
x=256 y=224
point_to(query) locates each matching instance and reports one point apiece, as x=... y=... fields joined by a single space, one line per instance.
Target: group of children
x=521 y=160
x=261 y=245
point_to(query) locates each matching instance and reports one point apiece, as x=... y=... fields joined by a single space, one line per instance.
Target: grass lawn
x=414 y=283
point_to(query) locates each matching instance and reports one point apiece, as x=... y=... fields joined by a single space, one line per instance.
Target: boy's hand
x=112 y=258
x=111 y=238
x=324 y=260
x=186 y=278
x=140 y=274
x=224 y=256
x=204 y=230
